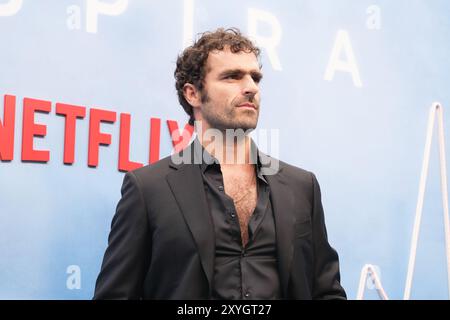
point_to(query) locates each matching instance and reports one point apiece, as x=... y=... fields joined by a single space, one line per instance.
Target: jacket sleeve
x=129 y=247
x=326 y=284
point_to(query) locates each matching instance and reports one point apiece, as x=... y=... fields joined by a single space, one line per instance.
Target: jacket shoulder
x=297 y=174
x=152 y=173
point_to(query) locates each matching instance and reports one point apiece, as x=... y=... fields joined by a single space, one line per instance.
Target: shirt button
x=247 y=294
x=220 y=188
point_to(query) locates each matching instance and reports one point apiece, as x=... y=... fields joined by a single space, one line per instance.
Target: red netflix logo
x=72 y=114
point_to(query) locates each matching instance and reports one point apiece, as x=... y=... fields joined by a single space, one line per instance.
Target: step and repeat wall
x=87 y=93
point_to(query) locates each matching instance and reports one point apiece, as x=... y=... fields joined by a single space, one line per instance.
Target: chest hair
x=241 y=187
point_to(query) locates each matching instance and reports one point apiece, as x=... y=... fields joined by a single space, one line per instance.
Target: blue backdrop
x=359 y=125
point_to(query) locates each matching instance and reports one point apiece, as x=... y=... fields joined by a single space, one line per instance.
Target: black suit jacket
x=161 y=244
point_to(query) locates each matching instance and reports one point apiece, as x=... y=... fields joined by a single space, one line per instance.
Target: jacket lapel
x=187 y=186
x=283 y=205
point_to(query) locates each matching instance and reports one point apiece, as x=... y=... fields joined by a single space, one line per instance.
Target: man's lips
x=247 y=105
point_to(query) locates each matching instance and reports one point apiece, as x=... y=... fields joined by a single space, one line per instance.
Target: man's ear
x=192 y=95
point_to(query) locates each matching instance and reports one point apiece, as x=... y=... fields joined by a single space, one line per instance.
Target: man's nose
x=250 y=87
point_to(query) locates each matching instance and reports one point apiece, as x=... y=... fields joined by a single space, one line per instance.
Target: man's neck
x=228 y=151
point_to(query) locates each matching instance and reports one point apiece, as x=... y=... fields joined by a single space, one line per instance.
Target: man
x=219 y=228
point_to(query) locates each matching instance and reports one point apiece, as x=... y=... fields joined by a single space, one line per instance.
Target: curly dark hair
x=191 y=63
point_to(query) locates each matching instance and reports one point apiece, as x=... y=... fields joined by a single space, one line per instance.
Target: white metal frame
x=369 y=270
x=436 y=110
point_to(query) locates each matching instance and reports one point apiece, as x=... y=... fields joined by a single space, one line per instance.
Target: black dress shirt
x=248 y=272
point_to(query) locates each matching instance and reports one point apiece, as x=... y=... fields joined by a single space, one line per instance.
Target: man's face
x=230 y=97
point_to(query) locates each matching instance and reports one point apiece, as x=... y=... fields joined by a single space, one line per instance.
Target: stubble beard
x=229 y=117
